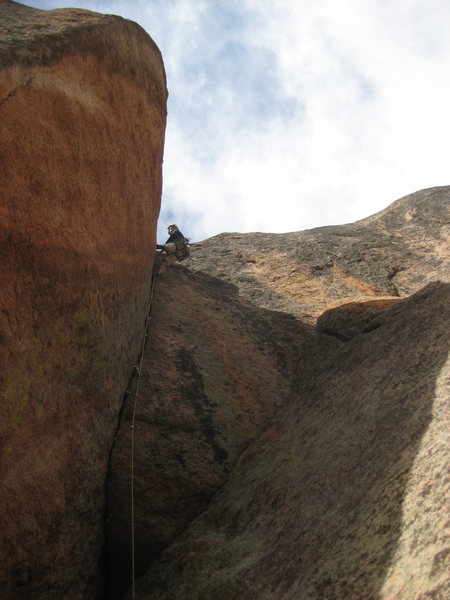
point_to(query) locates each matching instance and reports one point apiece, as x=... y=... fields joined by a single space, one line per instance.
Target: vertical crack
x=391 y=276
x=107 y=514
x=127 y=395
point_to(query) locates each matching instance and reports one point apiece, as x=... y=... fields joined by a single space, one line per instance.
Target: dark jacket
x=175 y=236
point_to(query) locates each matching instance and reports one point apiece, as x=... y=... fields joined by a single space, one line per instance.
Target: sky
x=285 y=115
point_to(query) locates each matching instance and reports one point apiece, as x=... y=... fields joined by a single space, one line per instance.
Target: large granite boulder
x=82 y=111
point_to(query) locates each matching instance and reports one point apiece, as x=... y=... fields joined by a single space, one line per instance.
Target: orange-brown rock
x=82 y=108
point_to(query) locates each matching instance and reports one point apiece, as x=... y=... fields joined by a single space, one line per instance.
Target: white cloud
x=288 y=115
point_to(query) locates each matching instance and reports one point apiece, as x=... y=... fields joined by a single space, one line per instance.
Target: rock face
x=344 y=495
x=276 y=459
x=82 y=107
x=391 y=254
x=216 y=369
x=292 y=421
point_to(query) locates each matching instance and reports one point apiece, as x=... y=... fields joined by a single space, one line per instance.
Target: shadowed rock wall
x=216 y=369
x=344 y=494
x=344 y=423
x=82 y=112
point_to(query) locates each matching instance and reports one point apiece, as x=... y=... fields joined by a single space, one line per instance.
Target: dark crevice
x=391 y=276
x=107 y=515
x=335 y=334
x=127 y=395
x=372 y=327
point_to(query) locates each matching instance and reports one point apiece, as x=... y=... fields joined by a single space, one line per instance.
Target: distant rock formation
x=301 y=456
x=82 y=110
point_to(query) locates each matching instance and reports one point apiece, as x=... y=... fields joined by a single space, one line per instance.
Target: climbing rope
x=138 y=369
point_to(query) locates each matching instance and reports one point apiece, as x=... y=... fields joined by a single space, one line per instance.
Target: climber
x=176 y=248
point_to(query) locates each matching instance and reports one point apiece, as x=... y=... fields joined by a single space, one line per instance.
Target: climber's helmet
x=172 y=228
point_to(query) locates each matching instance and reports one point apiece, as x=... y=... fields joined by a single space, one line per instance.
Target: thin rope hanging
x=138 y=368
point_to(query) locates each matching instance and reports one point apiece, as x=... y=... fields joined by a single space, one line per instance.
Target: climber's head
x=172 y=228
